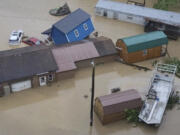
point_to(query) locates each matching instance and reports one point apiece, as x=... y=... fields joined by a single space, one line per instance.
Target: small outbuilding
x=74 y=27
x=142 y=47
x=110 y=108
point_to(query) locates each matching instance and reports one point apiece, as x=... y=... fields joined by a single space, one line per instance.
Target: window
x=129 y=17
x=50 y=77
x=76 y=33
x=85 y=26
x=42 y=80
x=144 y=52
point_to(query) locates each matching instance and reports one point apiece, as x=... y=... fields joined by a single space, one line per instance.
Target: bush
x=165 y=4
x=132 y=115
x=173 y=61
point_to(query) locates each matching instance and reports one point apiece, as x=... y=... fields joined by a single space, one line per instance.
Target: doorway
x=42 y=80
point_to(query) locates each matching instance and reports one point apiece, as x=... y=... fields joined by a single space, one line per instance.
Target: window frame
x=145 y=52
x=76 y=33
x=85 y=26
x=50 y=78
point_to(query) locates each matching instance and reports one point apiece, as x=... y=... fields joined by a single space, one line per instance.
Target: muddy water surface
x=61 y=108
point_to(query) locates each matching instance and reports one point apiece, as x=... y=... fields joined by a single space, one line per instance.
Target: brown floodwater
x=61 y=108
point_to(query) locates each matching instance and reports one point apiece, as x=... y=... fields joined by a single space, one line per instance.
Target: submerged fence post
x=92 y=93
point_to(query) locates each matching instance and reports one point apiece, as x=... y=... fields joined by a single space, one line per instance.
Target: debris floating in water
x=64 y=10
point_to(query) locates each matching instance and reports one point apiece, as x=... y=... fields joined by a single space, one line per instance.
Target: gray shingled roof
x=25 y=62
x=71 y=21
x=104 y=46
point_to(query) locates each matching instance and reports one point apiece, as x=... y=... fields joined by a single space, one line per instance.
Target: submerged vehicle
x=15 y=37
x=160 y=89
x=33 y=41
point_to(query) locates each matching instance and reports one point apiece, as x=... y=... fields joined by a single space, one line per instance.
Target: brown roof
x=104 y=46
x=67 y=55
x=119 y=101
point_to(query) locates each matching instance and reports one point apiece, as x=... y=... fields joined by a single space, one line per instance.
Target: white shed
x=135 y=14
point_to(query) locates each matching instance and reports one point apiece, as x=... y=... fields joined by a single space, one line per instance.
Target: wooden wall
x=35 y=79
x=87 y=63
x=139 y=55
x=65 y=75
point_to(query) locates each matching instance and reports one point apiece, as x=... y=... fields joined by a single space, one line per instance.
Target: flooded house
x=66 y=57
x=25 y=68
x=135 y=14
x=110 y=108
x=142 y=47
x=35 y=66
x=74 y=27
x=70 y=57
x=152 y=19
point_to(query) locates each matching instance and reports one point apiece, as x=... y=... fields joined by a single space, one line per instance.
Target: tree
x=165 y=4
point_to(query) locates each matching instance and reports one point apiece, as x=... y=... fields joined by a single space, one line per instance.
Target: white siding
x=99 y=11
x=139 y=12
x=21 y=85
x=110 y=14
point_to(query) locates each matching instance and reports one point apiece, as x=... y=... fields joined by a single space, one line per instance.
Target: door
x=110 y=14
x=42 y=80
x=115 y=15
x=7 y=90
x=21 y=85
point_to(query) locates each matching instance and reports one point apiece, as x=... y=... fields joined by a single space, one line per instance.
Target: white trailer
x=160 y=88
x=135 y=14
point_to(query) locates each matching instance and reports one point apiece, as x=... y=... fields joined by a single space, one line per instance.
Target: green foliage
x=165 y=4
x=131 y=115
x=154 y=63
x=173 y=61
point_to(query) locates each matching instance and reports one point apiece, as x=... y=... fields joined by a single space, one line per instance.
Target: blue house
x=74 y=27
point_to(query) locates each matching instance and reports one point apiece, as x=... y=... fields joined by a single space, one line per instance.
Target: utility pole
x=92 y=93
x=144 y=3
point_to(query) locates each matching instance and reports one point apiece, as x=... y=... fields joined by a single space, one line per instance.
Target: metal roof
x=167 y=17
x=25 y=62
x=72 y=20
x=145 y=41
x=119 y=101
